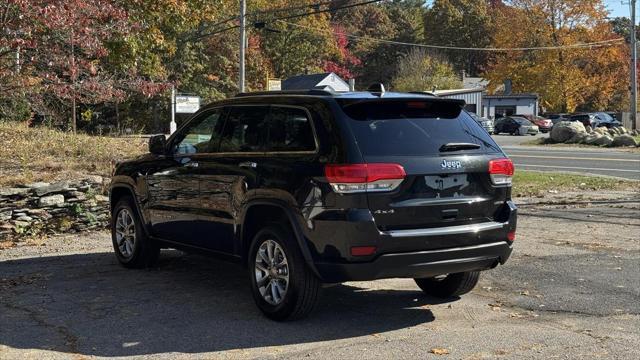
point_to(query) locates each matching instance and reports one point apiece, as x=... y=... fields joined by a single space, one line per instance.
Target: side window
x=201 y=135
x=244 y=130
x=290 y=130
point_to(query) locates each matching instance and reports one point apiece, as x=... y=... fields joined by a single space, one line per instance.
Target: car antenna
x=376 y=89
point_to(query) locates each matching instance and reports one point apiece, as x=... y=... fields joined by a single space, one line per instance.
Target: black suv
x=314 y=187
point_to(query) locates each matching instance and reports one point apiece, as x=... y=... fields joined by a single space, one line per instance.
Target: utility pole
x=73 y=80
x=634 y=75
x=172 y=125
x=18 y=60
x=243 y=41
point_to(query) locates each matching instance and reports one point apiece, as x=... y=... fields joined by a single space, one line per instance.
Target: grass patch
x=42 y=154
x=535 y=183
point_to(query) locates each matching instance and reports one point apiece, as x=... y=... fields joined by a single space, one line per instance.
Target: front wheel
x=283 y=287
x=133 y=248
x=449 y=285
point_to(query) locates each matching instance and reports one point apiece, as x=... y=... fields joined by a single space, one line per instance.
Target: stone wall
x=61 y=207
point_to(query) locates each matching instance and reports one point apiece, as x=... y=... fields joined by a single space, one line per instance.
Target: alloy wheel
x=271 y=272
x=125 y=233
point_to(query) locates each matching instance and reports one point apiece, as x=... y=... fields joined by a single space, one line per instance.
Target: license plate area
x=446 y=186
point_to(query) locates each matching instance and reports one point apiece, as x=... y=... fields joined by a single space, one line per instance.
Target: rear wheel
x=283 y=287
x=449 y=285
x=133 y=248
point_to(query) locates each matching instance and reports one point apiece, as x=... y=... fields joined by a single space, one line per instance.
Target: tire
x=138 y=251
x=451 y=285
x=302 y=286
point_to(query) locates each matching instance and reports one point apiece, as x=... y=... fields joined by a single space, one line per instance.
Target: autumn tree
x=588 y=78
x=420 y=71
x=461 y=23
x=392 y=20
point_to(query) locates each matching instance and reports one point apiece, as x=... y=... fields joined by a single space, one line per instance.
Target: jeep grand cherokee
x=313 y=187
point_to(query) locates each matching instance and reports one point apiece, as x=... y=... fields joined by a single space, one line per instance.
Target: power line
x=602 y=43
x=284 y=17
x=277 y=10
x=328 y=10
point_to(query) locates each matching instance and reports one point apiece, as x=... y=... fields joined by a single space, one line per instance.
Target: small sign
x=187 y=104
x=274 y=84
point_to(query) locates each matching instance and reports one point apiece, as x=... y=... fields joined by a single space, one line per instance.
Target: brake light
x=501 y=171
x=354 y=178
x=511 y=236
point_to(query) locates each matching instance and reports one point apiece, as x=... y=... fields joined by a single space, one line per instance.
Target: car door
x=230 y=175
x=173 y=185
x=512 y=125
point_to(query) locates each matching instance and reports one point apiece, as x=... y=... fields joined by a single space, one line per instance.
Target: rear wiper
x=486 y=143
x=458 y=146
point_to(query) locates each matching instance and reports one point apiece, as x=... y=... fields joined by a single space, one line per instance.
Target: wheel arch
x=120 y=190
x=257 y=213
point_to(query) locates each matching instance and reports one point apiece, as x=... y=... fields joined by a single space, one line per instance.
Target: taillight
x=501 y=171
x=511 y=236
x=354 y=178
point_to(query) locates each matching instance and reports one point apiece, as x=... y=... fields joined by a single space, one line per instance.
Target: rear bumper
x=410 y=253
x=419 y=264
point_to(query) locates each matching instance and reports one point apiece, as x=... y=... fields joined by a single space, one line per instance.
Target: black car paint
x=326 y=224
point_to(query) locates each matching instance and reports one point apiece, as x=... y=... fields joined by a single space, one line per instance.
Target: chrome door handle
x=191 y=164
x=248 y=164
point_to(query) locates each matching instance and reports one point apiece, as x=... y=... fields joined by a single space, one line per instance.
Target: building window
x=502 y=111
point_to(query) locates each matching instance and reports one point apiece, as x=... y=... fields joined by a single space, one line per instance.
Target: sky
x=617 y=8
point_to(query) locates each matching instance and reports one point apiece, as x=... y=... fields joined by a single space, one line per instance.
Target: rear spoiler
x=350 y=102
x=417 y=106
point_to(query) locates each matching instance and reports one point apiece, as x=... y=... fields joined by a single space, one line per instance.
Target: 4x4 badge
x=455 y=164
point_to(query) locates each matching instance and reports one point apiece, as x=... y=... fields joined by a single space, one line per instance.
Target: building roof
x=474 y=82
x=311 y=81
x=458 y=91
x=513 y=96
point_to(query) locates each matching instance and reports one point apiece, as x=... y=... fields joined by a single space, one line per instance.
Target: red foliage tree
x=345 y=61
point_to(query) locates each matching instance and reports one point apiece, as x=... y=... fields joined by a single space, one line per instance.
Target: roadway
x=594 y=161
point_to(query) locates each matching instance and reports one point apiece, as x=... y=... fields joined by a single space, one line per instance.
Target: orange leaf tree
x=567 y=79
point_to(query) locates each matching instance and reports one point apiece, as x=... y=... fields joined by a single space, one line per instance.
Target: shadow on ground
x=87 y=304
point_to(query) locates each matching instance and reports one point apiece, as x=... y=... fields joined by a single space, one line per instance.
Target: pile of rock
x=52 y=208
x=573 y=132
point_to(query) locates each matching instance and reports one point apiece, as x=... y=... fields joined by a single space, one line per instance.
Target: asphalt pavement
x=592 y=161
x=569 y=291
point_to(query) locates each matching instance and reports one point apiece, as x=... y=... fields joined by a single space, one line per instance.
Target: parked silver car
x=487 y=124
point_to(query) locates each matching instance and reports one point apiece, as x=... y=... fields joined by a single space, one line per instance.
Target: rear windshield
x=414 y=128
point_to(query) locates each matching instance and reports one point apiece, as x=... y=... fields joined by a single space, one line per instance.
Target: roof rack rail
x=422 y=93
x=319 y=92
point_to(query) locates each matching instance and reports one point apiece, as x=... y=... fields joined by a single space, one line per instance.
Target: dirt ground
x=570 y=291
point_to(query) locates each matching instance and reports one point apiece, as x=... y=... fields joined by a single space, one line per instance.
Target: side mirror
x=157 y=144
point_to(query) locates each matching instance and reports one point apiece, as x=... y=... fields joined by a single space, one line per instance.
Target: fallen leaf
x=525 y=292
x=439 y=351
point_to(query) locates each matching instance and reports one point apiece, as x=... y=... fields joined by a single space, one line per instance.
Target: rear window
x=414 y=127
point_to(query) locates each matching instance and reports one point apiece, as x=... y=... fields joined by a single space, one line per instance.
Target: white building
x=496 y=106
x=473 y=98
x=316 y=81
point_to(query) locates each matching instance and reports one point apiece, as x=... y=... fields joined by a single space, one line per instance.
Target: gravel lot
x=571 y=290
